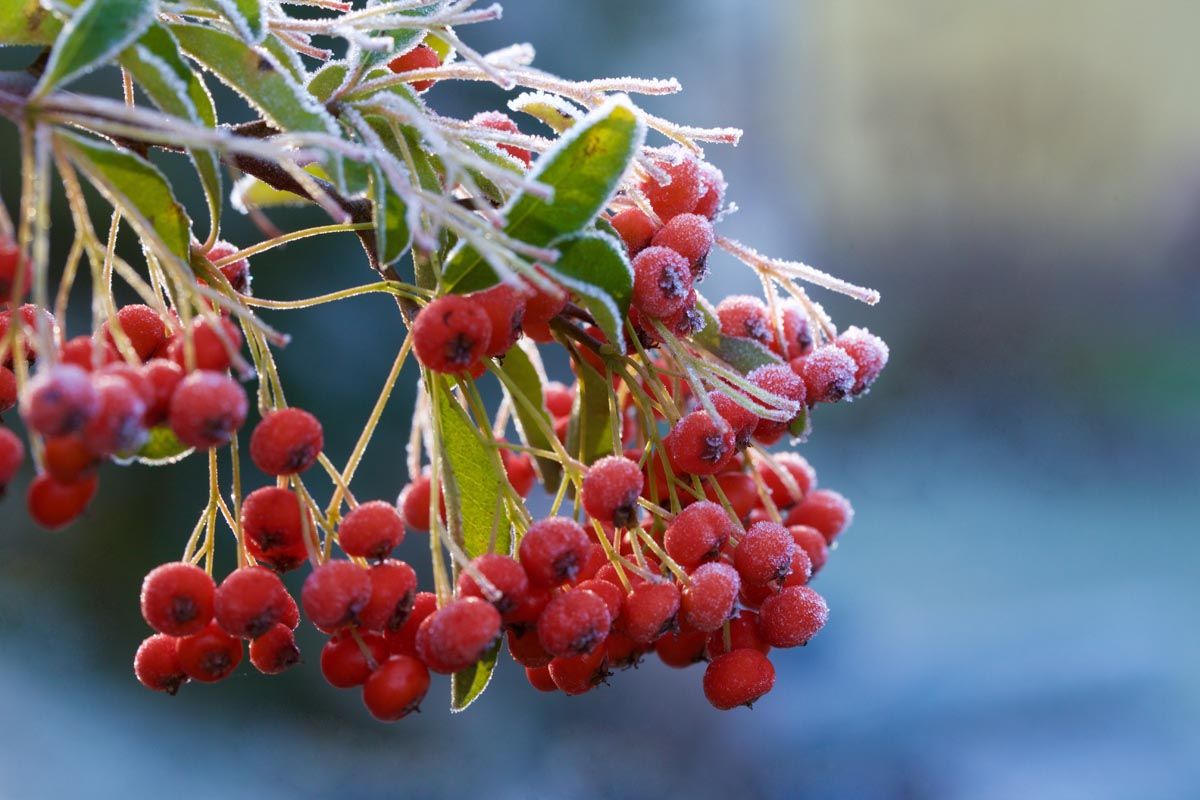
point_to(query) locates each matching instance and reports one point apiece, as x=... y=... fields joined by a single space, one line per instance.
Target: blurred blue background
x=1014 y=610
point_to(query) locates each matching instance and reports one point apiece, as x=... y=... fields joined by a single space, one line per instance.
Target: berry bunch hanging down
x=680 y=526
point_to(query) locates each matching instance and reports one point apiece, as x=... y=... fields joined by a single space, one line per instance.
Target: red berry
x=396 y=689
x=420 y=57
x=142 y=326
x=698 y=533
x=505 y=309
x=746 y=317
x=163 y=376
x=575 y=675
x=236 y=272
x=55 y=505
x=542 y=306
x=540 y=679
x=8 y=389
x=743 y=633
x=792 y=617
x=206 y=409
x=88 y=354
x=458 y=634
x=764 y=554
x=783 y=382
x=334 y=594
x=275 y=651
x=622 y=652
x=499 y=121
x=210 y=655
x=712 y=183
x=372 y=530
x=738 y=678
x=273 y=528
x=393 y=589
x=157 y=666
x=59 y=400
x=828 y=374
x=711 y=598
x=651 y=610
x=526 y=649
x=610 y=491
x=286 y=442
x=612 y=595
x=870 y=354
x=690 y=235
x=741 y=420
x=116 y=427
x=214 y=344
x=740 y=490
x=826 y=510
x=812 y=541
x=528 y=609
x=700 y=445
x=30 y=321
x=506 y=576
x=802 y=477
x=404 y=640
x=520 y=471
x=636 y=228
x=559 y=399
x=414 y=503
x=250 y=601
x=344 y=662
x=14 y=270
x=553 y=551
x=178 y=599
x=682 y=193
x=797 y=339
x=451 y=334
x=802 y=568
x=12 y=454
x=573 y=623
x=662 y=281
x=682 y=649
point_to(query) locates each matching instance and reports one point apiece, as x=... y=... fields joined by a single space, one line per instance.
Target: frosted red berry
x=612 y=595
x=59 y=400
x=414 y=503
x=163 y=377
x=88 y=354
x=214 y=344
x=275 y=651
x=286 y=442
x=738 y=678
x=55 y=505
x=712 y=183
x=520 y=470
x=698 y=533
x=636 y=229
x=156 y=664
x=14 y=271
x=610 y=491
x=525 y=647
x=870 y=354
x=345 y=663
x=505 y=308
x=372 y=530
x=826 y=510
x=8 y=389
x=250 y=601
x=812 y=541
x=711 y=598
x=792 y=617
x=650 y=610
x=797 y=338
x=739 y=489
x=681 y=650
x=116 y=427
x=786 y=384
x=576 y=675
x=206 y=409
x=404 y=640
x=499 y=121
x=741 y=420
x=540 y=678
x=573 y=623
x=786 y=493
x=541 y=306
x=12 y=454
x=506 y=576
x=553 y=551
x=396 y=688
x=393 y=589
x=236 y=272
x=457 y=635
x=451 y=334
x=746 y=317
x=682 y=193
x=764 y=554
x=662 y=281
x=743 y=633
x=142 y=326
x=700 y=445
x=559 y=399
x=828 y=373
x=178 y=599
x=690 y=235
x=334 y=593
x=274 y=529
x=210 y=655
x=420 y=57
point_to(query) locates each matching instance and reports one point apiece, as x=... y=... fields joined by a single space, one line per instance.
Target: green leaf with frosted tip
x=467 y=685
x=589 y=434
x=163 y=447
x=136 y=187
x=524 y=369
x=95 y=33
x=244 y=15
x=594 y=267
x=584 y=168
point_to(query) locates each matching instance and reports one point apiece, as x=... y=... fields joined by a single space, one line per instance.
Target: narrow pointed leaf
x=392 y=235
x=244 y=15
x=523 y=367
x=589 y=435
x=467 y=685
x=95 y=33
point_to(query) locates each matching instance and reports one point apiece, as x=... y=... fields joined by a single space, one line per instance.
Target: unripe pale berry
x=738 y=678
x=178 y=599
x=286 y=442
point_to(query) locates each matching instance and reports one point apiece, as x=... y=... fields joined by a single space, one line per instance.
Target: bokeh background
x=1014 y=612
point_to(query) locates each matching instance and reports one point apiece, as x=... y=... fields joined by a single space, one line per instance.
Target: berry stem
x=284 y=238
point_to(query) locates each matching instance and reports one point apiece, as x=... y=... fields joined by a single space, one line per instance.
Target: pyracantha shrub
x=569 y=221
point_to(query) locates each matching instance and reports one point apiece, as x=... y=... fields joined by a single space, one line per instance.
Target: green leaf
x=589 y=435
x=137 y=188
x=466 y=685
x=163 y=447
x=523 y=367
x=743 y=355
x=244 y=15
x=392 y=235
x=594 y=266
x=27 y=22
x=551 y=109
x=801 y=426
x=584 y=168
x=172 y=85
x=249 y=191
x=96 y=32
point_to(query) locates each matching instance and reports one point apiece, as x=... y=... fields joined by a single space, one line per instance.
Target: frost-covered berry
x=738 y=678
x=573 y=623
x=87 y=353
x=334 y=594
x=505 y=308
x=403 y=641
x=636 y=228
x=420 y=57
x=553 y=550
x=345 y=663
x=250 y=601
x=700 y=445
x=559 y=399
x=710 y=599
x=712 y=183
x=745 y=317
x=526 y=649
x=784 y=383
x=372 y=530
x=210 y=655
x=541 y=306
x=764 y=554
x=802 y=568
x=681 y=194
x=156 y=664
x=178 y=599
x=59 y=400
x=520 y=470
x=236 y=272
x=55 y=505
x=742 y=632
x=801 y=478
x=12 y=454
x=275 y=651
x=499 y=121
x=797 y=339
x=870 y=354
x=414 y=503
x=396 y=688
x=741 y=420
x=286 y=442
x=650 y=610
x=826 y=510
x=451 y=334
x=662 y=282
x=273 y=528
x=31 y=320
x=393 y=591
x=792 y=617
x=505 y=575
x=214 y=344
x=740 y=491
x=813 y=543
x=610 y=491
x=206 y=409
x=142 y=326
x=682 y=649
x=575 y=675
x=14 y=270
x=116 y=427
x=458 y=634
x=163 y=377
x=828 y=374
x=698 y=533
x=690 y=235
